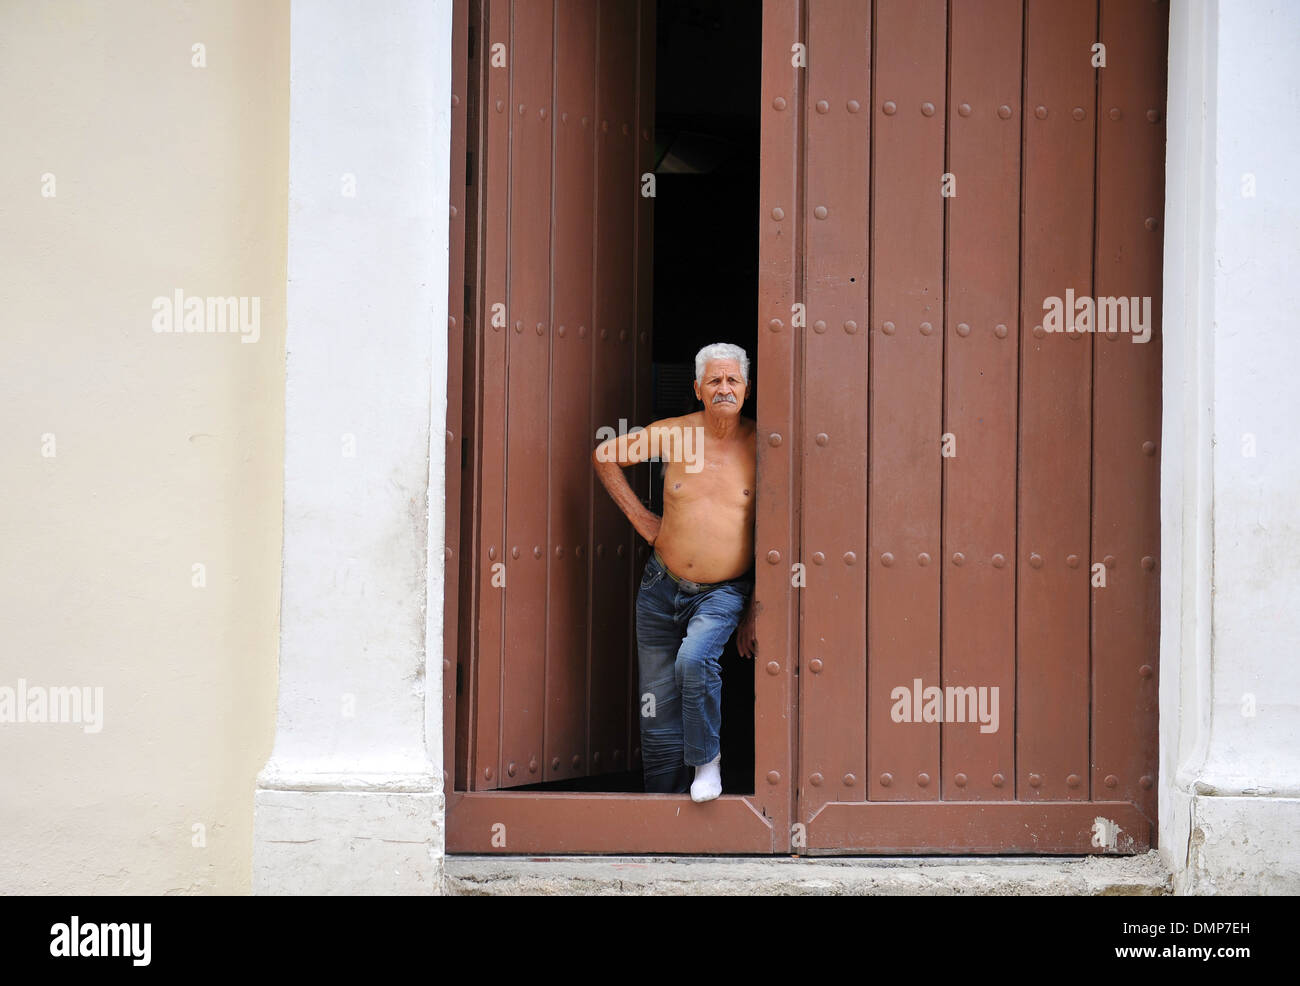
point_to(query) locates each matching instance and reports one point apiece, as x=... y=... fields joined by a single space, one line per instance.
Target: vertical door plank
x=979 y=511
x=456 y=334
x=1055 y=404
x=642 y=477
x=906 y=391
x=459 y=759
x=1126 y=406
x=834 y=630
x=496 y=299
x=570 y=501
x=616 y=193
x=527 y=459
x=776 y=547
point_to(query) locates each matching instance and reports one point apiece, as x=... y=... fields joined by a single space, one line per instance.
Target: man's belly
x=711 y=549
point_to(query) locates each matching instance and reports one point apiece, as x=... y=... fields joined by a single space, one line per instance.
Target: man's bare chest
x=714 y=480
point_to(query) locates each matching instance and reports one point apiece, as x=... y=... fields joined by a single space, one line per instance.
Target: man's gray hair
x=721 y=350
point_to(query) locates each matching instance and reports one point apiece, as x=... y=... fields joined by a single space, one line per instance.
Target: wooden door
x=980 y=493
x=557 y=325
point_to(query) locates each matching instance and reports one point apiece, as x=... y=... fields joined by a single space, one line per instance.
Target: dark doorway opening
x=707 y=74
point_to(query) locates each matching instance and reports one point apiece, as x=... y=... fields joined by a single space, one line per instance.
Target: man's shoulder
x=681 y=421
x=695 y=419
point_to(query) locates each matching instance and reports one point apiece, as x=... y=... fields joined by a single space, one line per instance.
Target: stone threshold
x=1018 y=876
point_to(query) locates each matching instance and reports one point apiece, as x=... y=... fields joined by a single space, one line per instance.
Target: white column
x=1230 y=654
x=351 y=799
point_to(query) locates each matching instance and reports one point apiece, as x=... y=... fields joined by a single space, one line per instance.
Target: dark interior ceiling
x=707 y=85
x=707 y=75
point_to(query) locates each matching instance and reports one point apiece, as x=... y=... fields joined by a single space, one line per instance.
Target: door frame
x=768 y=821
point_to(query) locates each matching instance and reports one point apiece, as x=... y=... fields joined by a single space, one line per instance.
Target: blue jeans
x=681 y=629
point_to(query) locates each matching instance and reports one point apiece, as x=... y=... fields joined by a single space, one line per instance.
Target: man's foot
x=708 y=780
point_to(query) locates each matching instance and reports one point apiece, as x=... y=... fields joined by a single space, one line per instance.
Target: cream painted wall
x=169 y=448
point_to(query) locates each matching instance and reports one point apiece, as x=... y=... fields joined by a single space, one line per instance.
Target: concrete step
x=1144 y=875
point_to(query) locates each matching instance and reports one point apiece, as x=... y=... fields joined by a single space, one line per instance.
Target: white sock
x=708 y=780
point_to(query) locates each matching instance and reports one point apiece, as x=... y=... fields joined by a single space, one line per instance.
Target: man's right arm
x=614 y=455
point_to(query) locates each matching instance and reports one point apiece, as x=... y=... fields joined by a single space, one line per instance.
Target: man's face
x=722 y=390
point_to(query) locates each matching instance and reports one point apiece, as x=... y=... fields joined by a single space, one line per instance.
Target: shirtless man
x=697 y=586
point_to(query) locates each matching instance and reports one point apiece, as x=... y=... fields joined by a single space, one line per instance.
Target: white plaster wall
x=169 y=447
x=1186 y=450
x=359 y=730
x=361 y=309
x=1256 y=359
x=1232 y=260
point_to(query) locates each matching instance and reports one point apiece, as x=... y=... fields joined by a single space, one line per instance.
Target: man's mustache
x=728 y=398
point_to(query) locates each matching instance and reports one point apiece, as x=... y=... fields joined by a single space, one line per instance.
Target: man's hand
x=746 y=632
x=649 y=528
